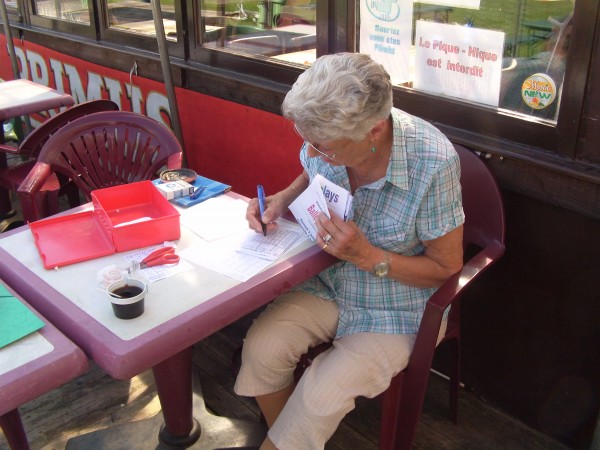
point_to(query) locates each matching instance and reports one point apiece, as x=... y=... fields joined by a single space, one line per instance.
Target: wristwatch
x=382 y=268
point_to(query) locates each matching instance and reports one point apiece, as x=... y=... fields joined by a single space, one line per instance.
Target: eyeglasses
x=315 y=147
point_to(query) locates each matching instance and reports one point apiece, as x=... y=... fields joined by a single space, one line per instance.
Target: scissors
x=162 y=256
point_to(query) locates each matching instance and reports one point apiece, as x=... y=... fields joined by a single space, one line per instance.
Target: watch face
x=381 y=269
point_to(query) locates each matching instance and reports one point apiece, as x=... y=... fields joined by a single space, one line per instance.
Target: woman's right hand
x=275 y=205
x=274 y=208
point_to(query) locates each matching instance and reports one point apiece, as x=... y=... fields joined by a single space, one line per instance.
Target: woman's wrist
x=370 y=258
x=287 y=196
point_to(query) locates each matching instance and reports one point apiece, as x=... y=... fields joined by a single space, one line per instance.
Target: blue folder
x=212 y=189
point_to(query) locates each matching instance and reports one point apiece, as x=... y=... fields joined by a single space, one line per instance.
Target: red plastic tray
x=69 y=239
x=124 y=218
x=136 y=215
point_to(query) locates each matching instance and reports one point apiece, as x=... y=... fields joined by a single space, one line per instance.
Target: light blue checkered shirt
x=419 y=199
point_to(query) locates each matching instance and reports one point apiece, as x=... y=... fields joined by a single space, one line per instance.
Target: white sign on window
x=385 y=34
x=458 y=61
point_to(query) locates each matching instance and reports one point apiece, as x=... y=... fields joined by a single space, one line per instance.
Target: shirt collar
x=397 y=172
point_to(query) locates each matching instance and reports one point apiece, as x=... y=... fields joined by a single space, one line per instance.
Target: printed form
x=238 y=252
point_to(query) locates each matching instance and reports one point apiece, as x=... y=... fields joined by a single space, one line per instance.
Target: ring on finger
x=327 y=238
x=325 y=246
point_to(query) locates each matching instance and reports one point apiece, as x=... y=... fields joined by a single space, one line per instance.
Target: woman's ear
x=377 y=130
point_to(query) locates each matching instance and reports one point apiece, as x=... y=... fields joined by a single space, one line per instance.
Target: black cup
x=127 y=298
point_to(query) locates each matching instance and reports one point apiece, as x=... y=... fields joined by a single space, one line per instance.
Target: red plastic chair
x=484 y=226
x=11 y=177
x=101 y=150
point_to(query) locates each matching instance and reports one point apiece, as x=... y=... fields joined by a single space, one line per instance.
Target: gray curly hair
x=341 y=96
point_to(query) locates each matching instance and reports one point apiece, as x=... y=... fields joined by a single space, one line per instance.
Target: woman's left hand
x=343 y=240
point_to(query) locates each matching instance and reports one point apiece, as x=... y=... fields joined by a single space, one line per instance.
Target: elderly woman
x=402 y=242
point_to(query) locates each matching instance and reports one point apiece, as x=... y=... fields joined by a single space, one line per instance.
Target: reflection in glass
x=542 y=49
x=71 y=10
x=281 y=29
x=536 y=40
x=135 y=16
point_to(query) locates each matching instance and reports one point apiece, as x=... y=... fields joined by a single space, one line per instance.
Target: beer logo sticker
x=386 y=10
x=538 y=91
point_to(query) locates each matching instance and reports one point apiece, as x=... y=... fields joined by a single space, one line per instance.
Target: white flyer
x=307 y=207
x=339 y=200
x=321 y=195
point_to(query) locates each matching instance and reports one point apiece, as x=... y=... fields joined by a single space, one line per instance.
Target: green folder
x=16 y=319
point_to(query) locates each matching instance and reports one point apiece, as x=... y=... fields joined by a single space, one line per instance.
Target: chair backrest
x=482 y=201
x=33 y=143
x=111 y=148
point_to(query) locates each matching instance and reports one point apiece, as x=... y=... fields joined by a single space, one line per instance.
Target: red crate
x=124 y=218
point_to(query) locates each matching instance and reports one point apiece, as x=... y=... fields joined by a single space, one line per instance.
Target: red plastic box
x=124 y=218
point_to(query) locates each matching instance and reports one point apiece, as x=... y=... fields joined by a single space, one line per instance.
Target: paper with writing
x=339 y=200
x=307 y=206
x=271 y=246
x=321 y=195
x=223 y=255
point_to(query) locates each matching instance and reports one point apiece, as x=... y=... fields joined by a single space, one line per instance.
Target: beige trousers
x=357 y=364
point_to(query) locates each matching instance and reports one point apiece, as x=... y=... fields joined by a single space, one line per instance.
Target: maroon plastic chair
x=11 y=177
x=484 y=226
x=101 y=150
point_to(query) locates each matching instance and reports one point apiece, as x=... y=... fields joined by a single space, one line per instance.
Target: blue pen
x=194 y=195
x=261 y=206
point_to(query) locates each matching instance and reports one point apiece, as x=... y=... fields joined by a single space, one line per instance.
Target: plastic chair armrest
x=449 y=292
x=417 y=371
x=28 y=189
x=175 y=161
x=446 y=293
x=36 y=178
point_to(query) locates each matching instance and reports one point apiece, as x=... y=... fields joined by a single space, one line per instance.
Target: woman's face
x=341 y=152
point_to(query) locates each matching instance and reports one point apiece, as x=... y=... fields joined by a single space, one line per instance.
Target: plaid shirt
x=419 y=199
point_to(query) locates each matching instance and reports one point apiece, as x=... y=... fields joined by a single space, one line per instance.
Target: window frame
x=145 y=43
x=465 y=120
x=336 y=31
x=89 y=31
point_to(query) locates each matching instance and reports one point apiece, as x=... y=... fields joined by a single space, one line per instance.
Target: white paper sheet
x=271 y=246
x=223 y=255
x=307 y=206
x=216 y=217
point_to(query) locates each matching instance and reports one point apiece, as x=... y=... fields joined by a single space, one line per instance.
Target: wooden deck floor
x=95 y=401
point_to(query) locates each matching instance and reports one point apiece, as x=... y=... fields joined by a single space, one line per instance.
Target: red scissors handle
x=160 y=257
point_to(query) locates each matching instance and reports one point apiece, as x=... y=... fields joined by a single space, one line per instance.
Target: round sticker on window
x=538 y=91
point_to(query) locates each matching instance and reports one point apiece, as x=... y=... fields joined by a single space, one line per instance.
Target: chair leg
x=454 y=372
x=390 y=411
x=13 y=430
x=72 y=194
x=51 y=203
x=6 y=210
x=29 y=208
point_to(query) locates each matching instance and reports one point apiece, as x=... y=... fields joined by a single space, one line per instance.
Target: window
x=278 y=29
x=131 y=23
x=501 y=54
x=70 y=16
x=494 y=70
x=72 y=10
x=11 y=10
x=135 y=17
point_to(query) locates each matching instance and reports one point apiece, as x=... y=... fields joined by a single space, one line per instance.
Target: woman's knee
x=267 y=345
